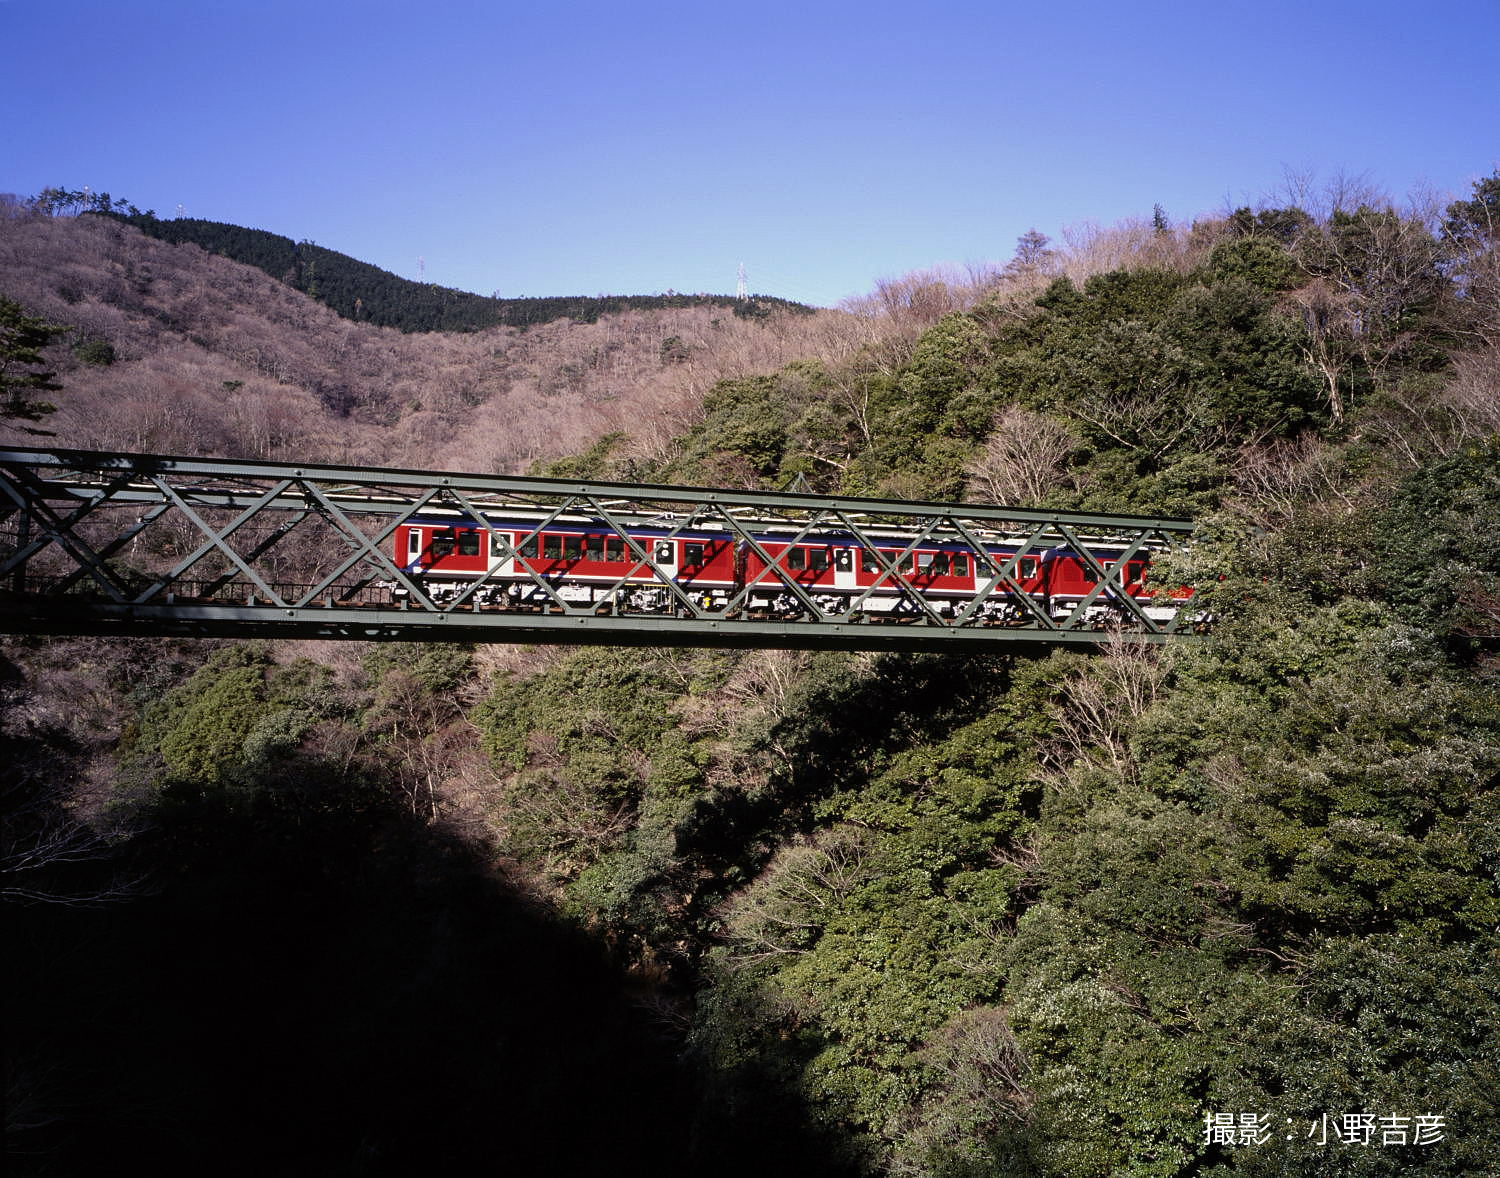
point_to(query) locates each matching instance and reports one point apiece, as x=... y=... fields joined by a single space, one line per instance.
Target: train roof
x=682 y=527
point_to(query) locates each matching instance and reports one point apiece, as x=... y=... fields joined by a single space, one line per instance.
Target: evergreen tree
x=22 y=371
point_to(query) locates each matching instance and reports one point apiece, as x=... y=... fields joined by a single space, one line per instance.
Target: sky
x=634 y=148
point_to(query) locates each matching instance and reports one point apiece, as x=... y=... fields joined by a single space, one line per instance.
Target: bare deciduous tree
x=39 y=845
x=980 y=1081
x=420 y=733
x=1103 y=700
x=1023 y=460
x=1277 y=477
x=1130 y=244
x=982 y=1059
x=800 y=889
x=1473 y=396
x=1325 y=315
x=1371 y=267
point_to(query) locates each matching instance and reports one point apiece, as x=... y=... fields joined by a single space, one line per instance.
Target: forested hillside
x=1231 y=907
x=173 y=350
x=367 y=294
x=356 y=290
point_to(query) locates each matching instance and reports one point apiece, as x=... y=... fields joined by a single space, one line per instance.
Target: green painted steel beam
x=223 y=621
x=796 y=501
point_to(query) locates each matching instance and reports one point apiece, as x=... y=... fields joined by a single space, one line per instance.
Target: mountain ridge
x=363 y=292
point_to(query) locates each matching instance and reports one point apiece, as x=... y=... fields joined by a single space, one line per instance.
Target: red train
x=586 y=562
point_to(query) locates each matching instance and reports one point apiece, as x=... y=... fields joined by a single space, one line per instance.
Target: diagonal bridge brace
x=36 y=506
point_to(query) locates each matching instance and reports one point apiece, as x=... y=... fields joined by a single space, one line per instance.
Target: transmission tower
x=740 y=291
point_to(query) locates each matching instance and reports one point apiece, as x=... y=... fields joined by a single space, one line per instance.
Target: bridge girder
x=131 y=544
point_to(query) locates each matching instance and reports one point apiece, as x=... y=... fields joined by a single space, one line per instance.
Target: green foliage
x=57 y=202
x=601 y=782
x=1436 y=543
x=1281 y=226
x=1476 y=222
x=744 y=419
x=593 y=463
x=98 y=352
x=440 y=667
x=1260 y=261
x=761 y=430
x=199 y=730
x=924 y=422
x=1162 y=376
x=1389 y=1023
x=1305 y=802
x=1429 y=547
x=234 y=721
x=23 y=338
x=881 y=929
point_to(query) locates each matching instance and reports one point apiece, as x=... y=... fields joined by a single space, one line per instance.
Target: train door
x=844 y=573
x=502 y=564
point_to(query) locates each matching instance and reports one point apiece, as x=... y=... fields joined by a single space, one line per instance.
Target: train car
x=515 y=562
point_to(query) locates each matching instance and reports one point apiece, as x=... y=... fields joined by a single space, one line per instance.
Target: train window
x=530 y=548
x=614 y=549
x=665 y=552
x=1028 y=566
x=796 y=558
x=924 y=562
x=940 y=565
x=1089 y=576
x=552 y=547
x=442 y=543
x=843 y=559
x=498 y=541
x=692 y=554
x=468 y=542
x=413 y=543
x=817 y=558
x=867 y=561
x=572 y=547
x=1134 y=570
x=960 y=564
x=593 y=547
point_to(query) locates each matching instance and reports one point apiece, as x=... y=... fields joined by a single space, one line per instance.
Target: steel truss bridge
x=147 y=545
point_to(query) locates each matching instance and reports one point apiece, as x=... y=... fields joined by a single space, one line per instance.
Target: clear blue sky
x=634 y=147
